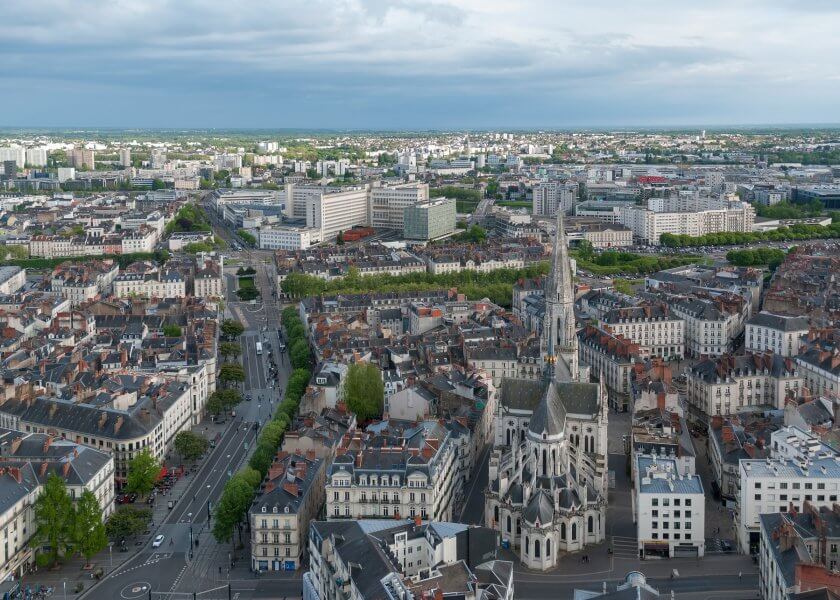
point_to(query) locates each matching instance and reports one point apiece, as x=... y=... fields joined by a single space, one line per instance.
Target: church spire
x=559 y=331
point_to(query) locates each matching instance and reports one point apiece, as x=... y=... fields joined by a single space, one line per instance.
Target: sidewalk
x=111 y=561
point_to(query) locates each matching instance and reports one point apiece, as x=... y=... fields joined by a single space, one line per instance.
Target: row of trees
x=65 y=528
x=495 y=285
x=756 y=257
x=786 y=210
x=239 y=491
x=782 y=234
x=611 y=262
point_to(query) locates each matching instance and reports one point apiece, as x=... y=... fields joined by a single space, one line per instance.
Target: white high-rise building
x=333 y=211
x=36 y=157
x=548 y=195
x=15 y=153
x=125 y=157
x=388 y=204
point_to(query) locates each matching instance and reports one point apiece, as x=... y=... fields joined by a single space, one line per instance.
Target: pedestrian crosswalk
x=624 y=547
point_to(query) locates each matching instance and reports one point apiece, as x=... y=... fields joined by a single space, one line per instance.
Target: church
x=548 y=480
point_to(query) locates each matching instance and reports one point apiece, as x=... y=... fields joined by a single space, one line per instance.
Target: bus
x=259 y=348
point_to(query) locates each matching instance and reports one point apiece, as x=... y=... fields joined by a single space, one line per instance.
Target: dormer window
x=263 y=509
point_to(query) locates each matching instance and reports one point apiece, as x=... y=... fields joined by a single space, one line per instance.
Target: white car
x=158 y=541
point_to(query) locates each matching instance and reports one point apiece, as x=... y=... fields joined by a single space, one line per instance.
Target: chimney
x=118 y=424
x=16 y=444
x=16 y=474
x=103 y=418
x=359 y=459
x=47 y=443
x=65 y=469
x=42 y=470
x=417 y=521
x=727 y=434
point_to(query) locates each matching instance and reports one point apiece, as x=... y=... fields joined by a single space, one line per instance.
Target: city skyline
x=368 y=66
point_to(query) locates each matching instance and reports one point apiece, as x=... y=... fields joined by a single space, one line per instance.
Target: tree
x=231 y=329
x=190 y=446
x=585 y=250
x=247 y=293
x=231 y=373
x=364 y=391
x=54 y=519
x=236 y=497
x=222 y=400
x=143 y=471
x=299 y=354
x=89 y=535
x=228 y=349
x=172 y=330
x=127 y=521
x=339 y=239
x=247 y=237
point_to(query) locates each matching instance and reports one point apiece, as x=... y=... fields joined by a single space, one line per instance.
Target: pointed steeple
x=559 y=331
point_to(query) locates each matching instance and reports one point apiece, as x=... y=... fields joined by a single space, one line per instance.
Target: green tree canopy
x=143 y=472
x=190 y=446
x=232 y=329
x=364 y=391
x=231 y=373
x=299 y=354
x=228 y=349
x=89 y=535
x=54 y=517
x=172 y=330
x=127 y=521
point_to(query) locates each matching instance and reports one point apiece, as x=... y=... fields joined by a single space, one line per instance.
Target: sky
x=424 y=64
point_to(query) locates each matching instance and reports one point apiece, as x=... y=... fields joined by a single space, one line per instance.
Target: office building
x=333 y=210
x=388 y=203
x=430 y=220
x=287 y=238
x=670 y=510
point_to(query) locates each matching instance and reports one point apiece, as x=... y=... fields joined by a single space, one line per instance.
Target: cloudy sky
x=418 y=63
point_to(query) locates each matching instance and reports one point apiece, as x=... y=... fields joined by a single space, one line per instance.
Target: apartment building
x=654 y=327
x=730 y=384
x=82 y=158
x=288 y=499
x=378 y=476
x=549 y=195
x=798 y=554
x=820 y=368
x=610 y=357
x=11 y=279
x=670 y=510
x=808 y=472
x=140 y=412
x=766 y=332
x=155 y=284
x=388 y=203
x=407 y=559
x=649 y=225
x=80 y=282
x=28 y=459
x=711 y=324
x=208 y=281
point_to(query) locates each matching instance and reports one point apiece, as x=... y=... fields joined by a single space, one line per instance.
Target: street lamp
x=64 y=584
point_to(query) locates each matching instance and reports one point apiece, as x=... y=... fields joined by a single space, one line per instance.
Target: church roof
x=550 y=415
x=540 y=509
